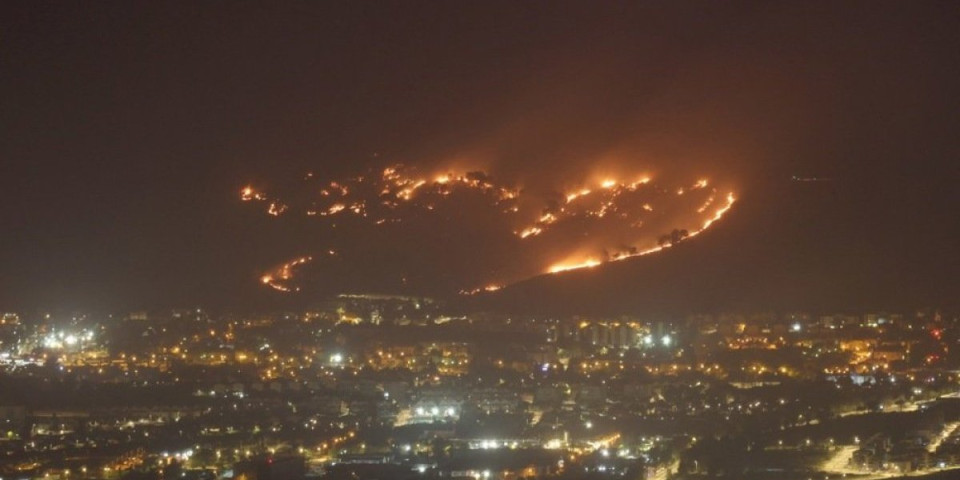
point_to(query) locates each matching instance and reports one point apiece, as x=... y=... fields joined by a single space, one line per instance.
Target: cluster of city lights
x=57 y=340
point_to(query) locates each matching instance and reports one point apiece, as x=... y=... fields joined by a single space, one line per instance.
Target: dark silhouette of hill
x=790 y=245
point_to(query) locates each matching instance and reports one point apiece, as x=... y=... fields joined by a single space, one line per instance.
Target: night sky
x=128 y=128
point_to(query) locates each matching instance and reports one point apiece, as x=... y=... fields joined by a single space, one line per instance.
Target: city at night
x=505 y=240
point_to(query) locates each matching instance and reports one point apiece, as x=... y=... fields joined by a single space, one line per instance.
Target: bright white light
x=553 y=444
x=648 y=340
x=666 y=340
x=51 y=341
x=450 y=412
x=795 y=327
x=71 y=339
x=336 y=358
x=435 y=411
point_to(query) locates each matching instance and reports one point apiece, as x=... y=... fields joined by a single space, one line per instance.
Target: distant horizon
x=156 y=155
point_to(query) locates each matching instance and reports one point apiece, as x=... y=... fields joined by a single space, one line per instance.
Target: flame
x=706 y=205
x=592 y=262
x=530 y=231
x=276 y=209
x=575 y=195
x=719 y=213
x=488 y=289
x=563 y=267
x=278 y=278
x=248 y=194
x=639 y=182
x=397 y=191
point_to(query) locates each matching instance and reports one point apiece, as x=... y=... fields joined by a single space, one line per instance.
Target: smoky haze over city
x=479 y=240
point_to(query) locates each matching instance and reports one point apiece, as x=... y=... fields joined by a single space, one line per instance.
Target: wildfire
x=611 y=193
x=575 y=195
x=720 y=212
x=488 y=289
x=530 y=231
x=641 y=181
x=706 y=205
x=623 y=212
x=592 y=262
x=278 y=278
x=563 y=267
x=248 y=194
x=276 y=209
